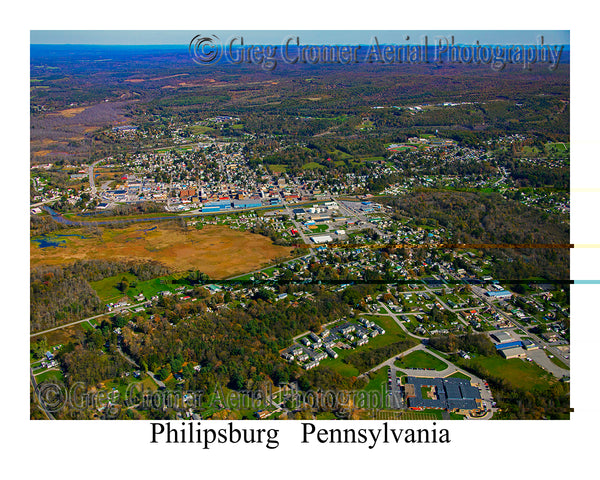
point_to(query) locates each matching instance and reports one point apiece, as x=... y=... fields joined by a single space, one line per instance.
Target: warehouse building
x=322 y=239
x=505 y=345
x=218 y=204
x=514 y=352
x=502 y=337
x=529 y=345
x=499 y=294
x=247 y=203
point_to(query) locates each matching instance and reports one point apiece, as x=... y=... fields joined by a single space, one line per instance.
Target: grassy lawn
x=35 y=363
x=121 y=385
x=199 y=129
x=151 y=288
x=421 y=359
x=520 y=374
x=559 y=363
x=340 y=366
x=387 y=323
x=107 y=287
x=456 y=416
x=318 y=228
x=424 y=415
x=311 y=166
x=52 y=375
x=277 y=168
x=248 y=276
x=109 y=293
x=377 y=380
x=325 y=416
x=459 y=375
x=393 y=333
x=86 y=326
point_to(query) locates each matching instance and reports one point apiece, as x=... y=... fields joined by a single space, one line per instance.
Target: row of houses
x=316 y=348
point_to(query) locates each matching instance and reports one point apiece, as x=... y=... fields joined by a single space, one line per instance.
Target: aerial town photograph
x=303 y=225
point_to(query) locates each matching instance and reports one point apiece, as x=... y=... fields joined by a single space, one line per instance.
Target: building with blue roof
x=220 y=204
x=453 y=394
x=499 y=294
x=247 y=204
x=505 y=345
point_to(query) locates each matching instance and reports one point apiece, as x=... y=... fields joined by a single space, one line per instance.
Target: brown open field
x=69 y=112
x=41 y=153
x=215 y=250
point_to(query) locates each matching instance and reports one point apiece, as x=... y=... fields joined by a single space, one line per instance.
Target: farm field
x=218 y=251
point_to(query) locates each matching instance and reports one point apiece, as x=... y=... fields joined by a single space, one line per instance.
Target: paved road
x=91 y=176
x=156 y=380
x=308 y=331
x=486 y=394
x=86 y=319
x=36 y=393
x=399 y=322
x=288 y=210
x=39 y=204
x=351 y=212
x=395 y=396
x=553 y=350
x=540 y=357
x=390 y=361
x=266 y=268
x=127 y=357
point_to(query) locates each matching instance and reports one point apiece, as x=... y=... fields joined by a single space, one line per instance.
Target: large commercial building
x=454 y=394
x=513 y=352
x=322 y=239
x=499 y=294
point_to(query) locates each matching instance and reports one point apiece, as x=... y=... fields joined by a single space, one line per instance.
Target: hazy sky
x=313 y=37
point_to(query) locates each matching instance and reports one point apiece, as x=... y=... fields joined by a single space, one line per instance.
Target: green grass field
x=377 y=381
x=340 y=366
x=421 y=359
x=341 y=155
x=459 y=375
x=520 y=374
x=393 y=334
x=559 y=363
x=109 y=293
x=278 y=168
x=52 y=375
x=199 y=129
x=319 y=229
x=107 y=290
x=311 y=166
